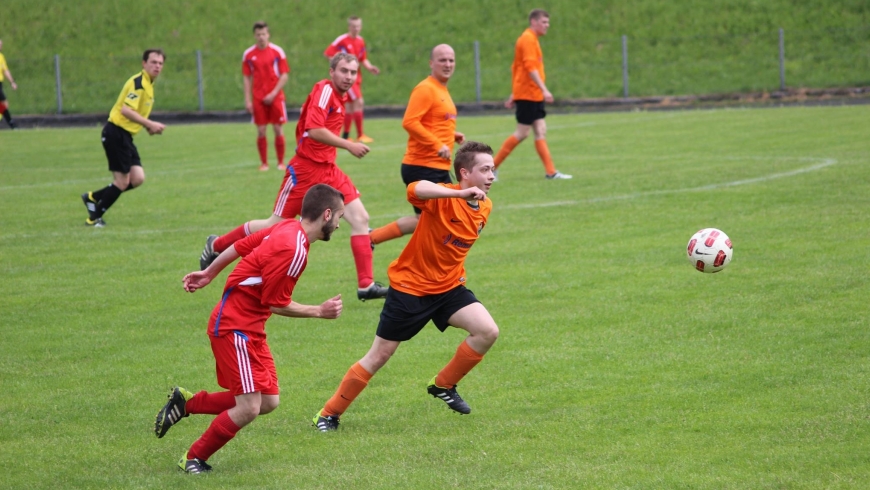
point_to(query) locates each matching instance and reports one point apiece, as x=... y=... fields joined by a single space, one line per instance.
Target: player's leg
x=262 y=147
x=280 y=145
x=278 y=116
x=348 y=115
x=4 y=109
x=521 y=133
x=358 y=117
x=360 y=245
x=540 y=129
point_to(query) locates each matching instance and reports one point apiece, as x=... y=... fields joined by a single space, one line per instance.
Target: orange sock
x=463 y=361
x=386 y=232
x=355 y=380
x=544 y=153
x=506 y=148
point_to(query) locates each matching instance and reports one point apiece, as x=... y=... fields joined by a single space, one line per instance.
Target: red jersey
x=274 y=258
x=266 y=66
x=323 y=108
x=351 y=45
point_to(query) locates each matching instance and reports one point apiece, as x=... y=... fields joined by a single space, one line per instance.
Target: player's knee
x=490 y=334
x=269 y=404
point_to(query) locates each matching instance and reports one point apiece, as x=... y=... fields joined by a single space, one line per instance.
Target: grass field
x=618 y=365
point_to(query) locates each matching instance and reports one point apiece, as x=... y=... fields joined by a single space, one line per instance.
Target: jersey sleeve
x=425 y=204
x=283 y=67
x=527 y=54
x=3 y=65
x=281 y=272
x=132 y=95
x=318 y=110
x=247 y=245
x=331 y=50
x=246 y=68
x=420 y=102
x=363 y=52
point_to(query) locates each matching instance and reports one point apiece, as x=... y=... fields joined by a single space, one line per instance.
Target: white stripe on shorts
x=245 y=373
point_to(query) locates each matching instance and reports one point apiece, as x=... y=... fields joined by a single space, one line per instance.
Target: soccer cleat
x=282 y=167
x=375 y=291
x=559 y=175
x=13 y=125
x=450 y=397
x=96 y=223
x=264 y=167
x=364 y=139
x=193 y=466
x=90 y=205
x=172 y=412
x=325 y=423
x=208 y=253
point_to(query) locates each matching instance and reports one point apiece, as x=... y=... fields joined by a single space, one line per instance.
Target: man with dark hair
x=260 y=285
x=128 y=116
x=530 y=93
x=427 y=282
x=265 y=72
x=317 y=139
x=4 y=74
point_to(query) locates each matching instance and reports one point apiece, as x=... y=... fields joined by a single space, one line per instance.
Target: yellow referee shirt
x=3 y=67
x=137 y=94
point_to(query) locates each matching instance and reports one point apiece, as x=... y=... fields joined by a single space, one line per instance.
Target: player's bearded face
x=329 y=227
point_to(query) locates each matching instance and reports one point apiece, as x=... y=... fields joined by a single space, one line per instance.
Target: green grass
x=618 y=365
x=675 y=47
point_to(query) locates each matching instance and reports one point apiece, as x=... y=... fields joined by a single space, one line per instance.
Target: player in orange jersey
x=427 y=282
x=430 y=121
x=353 y=43
x=530 y=93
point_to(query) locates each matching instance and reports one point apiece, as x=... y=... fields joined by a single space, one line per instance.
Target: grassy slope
x=688 y=46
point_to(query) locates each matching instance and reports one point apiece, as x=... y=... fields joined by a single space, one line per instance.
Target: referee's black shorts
x=404 y=315
x=120 y=150
x=415 y=173
x=529 y=111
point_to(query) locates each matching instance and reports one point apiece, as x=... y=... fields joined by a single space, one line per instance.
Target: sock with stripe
x=386 y=232
x=108 y=196
x=223 y=242
x=463 y=361
x=210 y=403
x=220 y=432
x=358 y=119
x=354 y=381
x=262 y=148
x=361 y=246
x=280 y=148
x=506 y=148
x=544 y=153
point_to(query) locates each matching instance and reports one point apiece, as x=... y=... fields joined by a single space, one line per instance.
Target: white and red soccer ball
x=710 y=250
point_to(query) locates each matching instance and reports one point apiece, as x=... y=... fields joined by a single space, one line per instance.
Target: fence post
x=781 y=59
x=199 y=79
x=624 y=66
x=57 y=83
x=477 y=70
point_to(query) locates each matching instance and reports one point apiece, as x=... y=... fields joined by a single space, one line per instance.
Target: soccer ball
x=710 y=250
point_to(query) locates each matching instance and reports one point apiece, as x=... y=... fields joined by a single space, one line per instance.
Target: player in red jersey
x=260 y=285
x=317 y=139
x=265 y=71
x=354 y=44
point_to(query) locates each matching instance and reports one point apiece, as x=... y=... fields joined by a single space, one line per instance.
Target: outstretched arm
x=426 y=190
x=200 y=279
x=329 y=309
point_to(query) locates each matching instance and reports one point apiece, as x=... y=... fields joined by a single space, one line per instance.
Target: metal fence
x=624 y=66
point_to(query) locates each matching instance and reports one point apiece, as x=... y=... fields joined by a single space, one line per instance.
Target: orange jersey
x=433 y=261
x=430 y=121
x=527 y=57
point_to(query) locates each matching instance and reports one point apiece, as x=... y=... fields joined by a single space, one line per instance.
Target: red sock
x=210 y=403
x=224 y=242
x=262 y=146
x=358 y=119
x=463 y=361
x=221 y=430
x=506 y=148
x=279 y=148
x=361 y=246
x=348 y=118
x=354 y=381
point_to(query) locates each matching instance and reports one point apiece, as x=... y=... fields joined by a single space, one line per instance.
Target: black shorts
x=416 y=173
x=529 y=111
x=120 y=150
x=2 y=95
x=404 y=315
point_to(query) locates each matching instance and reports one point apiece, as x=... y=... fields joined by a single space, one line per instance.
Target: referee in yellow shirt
x=127 y=118
x=4 y=74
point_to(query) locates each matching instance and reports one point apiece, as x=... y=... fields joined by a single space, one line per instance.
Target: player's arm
x=249 y=101
x=200 y=279
x=8 y=75
x=282 y=80
x=536 y=77
x=370 y=67
x=425 y=190
x=329 y=309
x=418 y=105
x=153 y=127
x=327 y=137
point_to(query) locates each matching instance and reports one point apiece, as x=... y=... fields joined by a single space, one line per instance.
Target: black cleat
x=375 y=291
x=325 y=423
x=450 y=397
x=91 y=206
x=193 y=466
x=173 y=411
x=208 y=253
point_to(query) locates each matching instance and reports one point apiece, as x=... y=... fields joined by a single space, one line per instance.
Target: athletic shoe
x=325 y=423
x=364 y=139
x=90 y=205
x=13 y=125
x=559 y=175
x=264 y=167
x=282 y=167
x=96 y=223
x=375 y=291
x=193 y=466
x=450 y=397
x=208 y=253
x=172 y=412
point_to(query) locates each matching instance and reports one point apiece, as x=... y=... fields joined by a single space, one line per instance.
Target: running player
x=427 y=282
x=314 y=162
x=128 y=116
x=4 y=106
x=265 y=71
x=530 y=93
x=354 y=44
x=260 y=285
x=430 y=121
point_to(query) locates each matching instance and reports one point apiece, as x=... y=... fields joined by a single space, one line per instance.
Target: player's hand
x=472 y=193
x=444 y=152
x=331 y=308
x=269 y=98
x=459 y=137
x=156 y=128
x=249 y=106
x=14 y=86
x=358 y=150
x=548 y=97
x=376 y=70
x=509 y=103
x=196 y=280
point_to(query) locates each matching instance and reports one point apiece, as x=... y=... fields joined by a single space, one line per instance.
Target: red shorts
x=274 y=113
x=244 y=364
x=301 y=175
x=355 y=91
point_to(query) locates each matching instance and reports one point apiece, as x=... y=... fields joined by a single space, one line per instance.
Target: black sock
x=97 y=195
x=345 y=134
x=7 y=116
x=109 y=195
